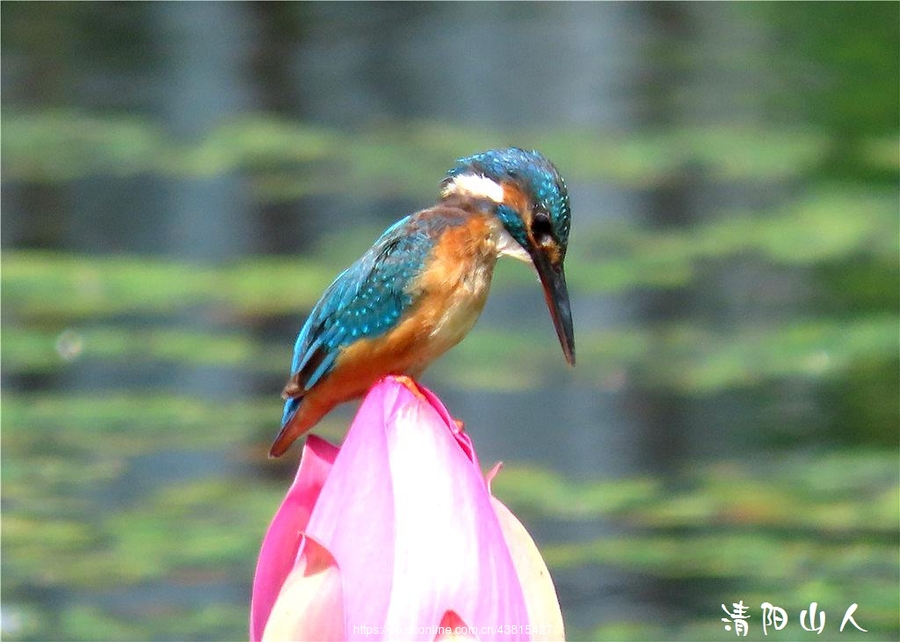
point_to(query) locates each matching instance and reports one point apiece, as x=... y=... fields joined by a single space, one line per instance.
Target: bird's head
x=529 y=197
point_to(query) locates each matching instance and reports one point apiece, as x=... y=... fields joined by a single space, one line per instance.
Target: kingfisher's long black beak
x=553 y=279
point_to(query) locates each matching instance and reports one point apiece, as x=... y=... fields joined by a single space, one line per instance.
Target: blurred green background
x=181 y=181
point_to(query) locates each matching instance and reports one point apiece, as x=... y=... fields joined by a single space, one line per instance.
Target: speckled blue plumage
x=534 y=174
x=365 y=301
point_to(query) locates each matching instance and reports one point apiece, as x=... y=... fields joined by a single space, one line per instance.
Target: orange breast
x=448 y=298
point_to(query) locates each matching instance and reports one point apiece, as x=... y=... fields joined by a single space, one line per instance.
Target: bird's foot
x=411 y=385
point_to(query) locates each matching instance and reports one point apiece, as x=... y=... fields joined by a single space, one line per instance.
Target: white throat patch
x=508 y=246
x=475 y=185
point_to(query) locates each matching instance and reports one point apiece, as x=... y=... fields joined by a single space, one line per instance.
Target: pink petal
x=408 y=517
x=453 y=552
x=310 y=604
x=279 y=548
x=465 y=442
x=544 y=613
x=453 y=628
x=354 y=516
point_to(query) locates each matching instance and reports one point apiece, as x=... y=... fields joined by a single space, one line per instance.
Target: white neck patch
x=508 y=246
x=475 y=185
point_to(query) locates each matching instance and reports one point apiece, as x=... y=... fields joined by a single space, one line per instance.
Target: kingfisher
x=420 y=288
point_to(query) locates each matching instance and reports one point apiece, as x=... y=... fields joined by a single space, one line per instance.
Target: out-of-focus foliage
x=767 y=530
x=287 y=160
x=91 y=292
x=802 y=519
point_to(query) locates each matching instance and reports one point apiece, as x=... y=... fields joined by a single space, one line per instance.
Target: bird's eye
x=541 y=228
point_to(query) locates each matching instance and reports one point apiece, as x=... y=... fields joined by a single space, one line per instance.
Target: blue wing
x=364 y=301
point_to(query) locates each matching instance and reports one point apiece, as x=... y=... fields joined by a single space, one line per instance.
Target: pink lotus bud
x=396 y=536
